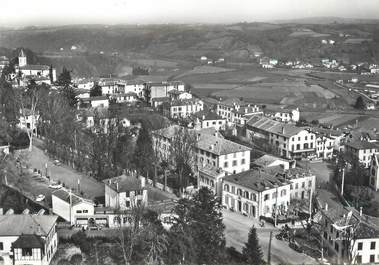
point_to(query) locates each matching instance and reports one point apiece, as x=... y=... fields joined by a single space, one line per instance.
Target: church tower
x=22 y=59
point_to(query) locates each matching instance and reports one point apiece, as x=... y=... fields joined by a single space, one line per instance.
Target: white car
x=57 y=162
x=55 y=186
x=40 y=198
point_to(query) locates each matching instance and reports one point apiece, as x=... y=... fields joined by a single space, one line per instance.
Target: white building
x=94 y=102
x=129 y=97
x=185 y=108
x=374 y=172
x=125 y=192
x=202 y=120
x=211 y=149
x=236 y=112
x=85 y=84
x=289 y=141
x=35 y=71
x=362 y=151
x=161 y=89
x=255 y=193
x=28 y=121
x=287 y=115
x=267 y=161
x=349 y=237
x=211 y=178
x=27 y=239
x=72 y=208
x=324 y=146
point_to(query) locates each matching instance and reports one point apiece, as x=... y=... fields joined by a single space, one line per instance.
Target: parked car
x=57 y=162
x=40 y=198
x=55 y=186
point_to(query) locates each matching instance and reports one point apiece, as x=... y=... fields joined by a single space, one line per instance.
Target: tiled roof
x=207 y=115
x=219 y=146
x=65 y=196
x=361 y=145
x=184 y=102
x=124 y=183
x=256 y=180
x=18 y=224
x=29 y=241
x=35 y=67
x=161 y=99
x=272 y=126
x=267 y=159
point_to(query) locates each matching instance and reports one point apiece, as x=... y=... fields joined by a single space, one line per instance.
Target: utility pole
x=269 y=250
x=342 y=181
x=310 y=205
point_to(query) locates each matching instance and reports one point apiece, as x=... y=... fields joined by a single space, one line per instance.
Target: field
x=307 y=33
x=356 y=41
x=204 y=69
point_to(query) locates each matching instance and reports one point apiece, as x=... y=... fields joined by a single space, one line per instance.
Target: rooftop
x=184 y=102
x=18 y=224
x=265 y=160
x=219 y=146
x=29 y=241
x=362 y=145
x=35 y=67
x=207 y=115
x=125 y=182
x=65 y=196
x=257 y=180
x=272 y=126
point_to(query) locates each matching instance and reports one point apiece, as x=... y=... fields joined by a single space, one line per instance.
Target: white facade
x=374 y=173
x=324 y=146
x=285 y=116
x=71 y=211
x=362 y=152
x=184 y=108
x=28 y=121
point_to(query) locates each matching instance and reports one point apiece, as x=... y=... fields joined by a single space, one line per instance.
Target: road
x=91 y=188
x=236 y=232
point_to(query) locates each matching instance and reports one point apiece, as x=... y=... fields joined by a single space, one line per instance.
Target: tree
x=69 y=93
x=252 y=252
x=95 y=91
x=138 y=70
x=182 y=155
x=359 y=103
x=8 y=102
x=64 y=78
x=199 y=230
x=144 y=154
x=51 y=75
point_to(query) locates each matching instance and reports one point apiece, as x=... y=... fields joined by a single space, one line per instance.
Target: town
x=193 y=167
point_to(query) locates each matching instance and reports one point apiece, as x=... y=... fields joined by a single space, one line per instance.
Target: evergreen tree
x=95 y=91
x=69 y=94
x=64 y=78
x=51 y=76
x=252 y=251
x=144 y=154
x=360 y=104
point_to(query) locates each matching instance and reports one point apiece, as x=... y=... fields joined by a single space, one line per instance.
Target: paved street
x=237 y=229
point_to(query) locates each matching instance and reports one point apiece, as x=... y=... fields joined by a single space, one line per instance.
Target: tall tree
x=8 y=102
x=51 y=75
x=359 y=103
x=182 y=155
x=95 y=91
x=64 y=78
x=252 y=252
x=199 y=225
x=144 y=154
x=69 y=93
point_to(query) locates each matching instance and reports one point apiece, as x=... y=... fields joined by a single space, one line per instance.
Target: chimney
x=203 y=117
x=117 y=186
x=282 y=129
x=326 y=207
x=360 y=211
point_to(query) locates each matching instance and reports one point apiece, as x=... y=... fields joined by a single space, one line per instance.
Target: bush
x=76 y=259
x=80 y=239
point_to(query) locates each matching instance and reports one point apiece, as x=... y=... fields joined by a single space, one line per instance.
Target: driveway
x=236 y=232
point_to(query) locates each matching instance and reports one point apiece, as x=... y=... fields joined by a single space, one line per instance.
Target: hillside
x=102 y=50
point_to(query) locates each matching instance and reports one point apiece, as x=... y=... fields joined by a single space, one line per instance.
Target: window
x=372 y=245
x=283 y=193
x=303 y=184
x=253 y=197
x=212 y=183
x=226 y=187
x=78 y=211
x=296 y=185
x=372 y=258
x=243 y=161
x=239 y=192
x=266 y=197
x=360 y=246
x=291 y=187
x=274 y=194
x=1 y=246
x=233 y=190
x=85 y=211
x=234 y=163
x=309 y=183
x=27 y=252
x=127 y=204
x=306 y=138
x=359 y=259
x=225 y=164
x=298 y=138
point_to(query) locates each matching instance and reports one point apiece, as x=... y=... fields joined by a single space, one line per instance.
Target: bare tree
x=182 y=155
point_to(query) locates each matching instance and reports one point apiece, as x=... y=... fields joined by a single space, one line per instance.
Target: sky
x=60 y=12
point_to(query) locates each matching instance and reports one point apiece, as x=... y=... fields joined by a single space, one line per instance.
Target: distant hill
x=104 y=50
x=327 y=20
